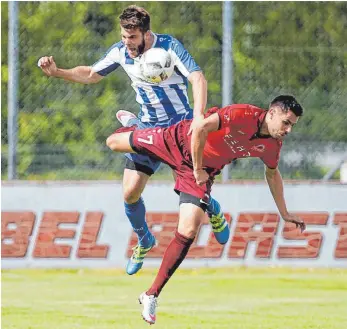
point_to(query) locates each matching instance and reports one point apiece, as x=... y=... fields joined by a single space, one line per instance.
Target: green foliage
x=278 y=47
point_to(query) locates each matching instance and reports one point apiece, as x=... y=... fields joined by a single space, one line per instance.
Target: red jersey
x=238 y=137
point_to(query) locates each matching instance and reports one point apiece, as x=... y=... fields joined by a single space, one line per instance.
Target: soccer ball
x=156 y=65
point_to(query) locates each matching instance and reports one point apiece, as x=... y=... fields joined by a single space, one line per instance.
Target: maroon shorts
x=166 y=145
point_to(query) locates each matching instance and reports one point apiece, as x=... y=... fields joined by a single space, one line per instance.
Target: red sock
x=173 y=257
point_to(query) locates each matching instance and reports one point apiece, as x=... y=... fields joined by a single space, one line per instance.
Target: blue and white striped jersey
x=159 y=102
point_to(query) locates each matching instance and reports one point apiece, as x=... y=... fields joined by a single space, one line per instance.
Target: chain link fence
x=278 y=47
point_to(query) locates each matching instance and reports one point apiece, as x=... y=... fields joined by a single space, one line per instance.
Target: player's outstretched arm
x=275 y=182
x=80 y=74
x=199 y=136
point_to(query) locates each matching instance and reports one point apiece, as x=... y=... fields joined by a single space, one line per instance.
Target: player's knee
x=131 y=195
x=111 y=142
x=114 y=142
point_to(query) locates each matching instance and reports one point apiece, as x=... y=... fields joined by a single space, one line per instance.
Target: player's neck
x=264 y=131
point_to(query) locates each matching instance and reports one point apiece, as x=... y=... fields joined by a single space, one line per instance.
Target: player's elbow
x=93 y=77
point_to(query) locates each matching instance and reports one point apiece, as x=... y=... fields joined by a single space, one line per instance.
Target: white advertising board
x=83 y=224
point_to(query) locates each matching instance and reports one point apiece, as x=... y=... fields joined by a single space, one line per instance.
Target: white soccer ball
x=156 y=65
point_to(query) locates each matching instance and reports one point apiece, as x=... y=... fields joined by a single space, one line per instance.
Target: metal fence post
x=227 y=64
x=13 y=71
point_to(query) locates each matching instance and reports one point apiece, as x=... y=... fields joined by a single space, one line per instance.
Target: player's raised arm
x=80 y=74
x=275 y=182
x=198 y=141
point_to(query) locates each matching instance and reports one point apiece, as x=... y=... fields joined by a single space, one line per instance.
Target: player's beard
x=141 y=47
x=136 y=51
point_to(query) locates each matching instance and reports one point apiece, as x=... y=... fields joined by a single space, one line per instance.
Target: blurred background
x=296 y=48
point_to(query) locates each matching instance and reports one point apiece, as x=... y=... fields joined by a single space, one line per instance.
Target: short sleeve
x=109 y=62
x=182 y=59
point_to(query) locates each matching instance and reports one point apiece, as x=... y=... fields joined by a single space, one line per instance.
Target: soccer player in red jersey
x=229 y=133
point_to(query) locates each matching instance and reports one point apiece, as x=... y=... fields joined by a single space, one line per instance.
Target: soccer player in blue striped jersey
x=161 y=104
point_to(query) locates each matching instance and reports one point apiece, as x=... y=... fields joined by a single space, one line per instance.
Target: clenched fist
x=47 y=65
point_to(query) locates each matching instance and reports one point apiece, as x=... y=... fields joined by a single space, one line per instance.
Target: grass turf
x=238 y=298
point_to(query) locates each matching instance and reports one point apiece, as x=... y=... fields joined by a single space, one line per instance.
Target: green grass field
x=234 y=298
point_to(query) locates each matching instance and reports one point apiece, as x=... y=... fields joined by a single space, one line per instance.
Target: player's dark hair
x=286 y=103
x=134 y=17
